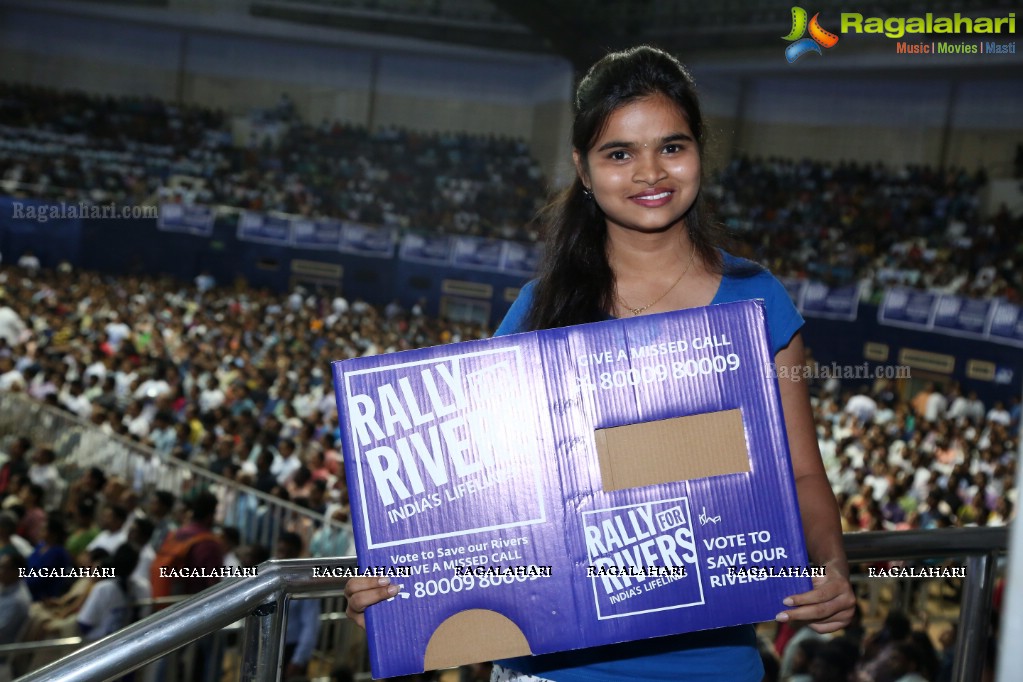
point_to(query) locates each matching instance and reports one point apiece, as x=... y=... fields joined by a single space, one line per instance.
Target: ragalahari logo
x=818 y=36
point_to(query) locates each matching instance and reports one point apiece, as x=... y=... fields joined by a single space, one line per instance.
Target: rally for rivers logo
x=637 y=538
x=445 y=438
x=818 y=36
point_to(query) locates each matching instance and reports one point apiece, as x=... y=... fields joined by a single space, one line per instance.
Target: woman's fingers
x=363 y=593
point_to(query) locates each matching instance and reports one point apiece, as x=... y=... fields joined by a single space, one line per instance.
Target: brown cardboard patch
x=473 y=636
x=677 y=449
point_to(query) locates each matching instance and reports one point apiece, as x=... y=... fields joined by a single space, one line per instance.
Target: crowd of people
x=238 y=383
x=839 y=223
x=847 y=223
x=77 y=147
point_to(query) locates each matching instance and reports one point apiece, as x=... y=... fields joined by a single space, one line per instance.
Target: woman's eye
x=672 y=148
x=618 y=155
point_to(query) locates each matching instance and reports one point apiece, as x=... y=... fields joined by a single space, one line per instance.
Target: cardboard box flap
x=476 y=635
x=677 y=449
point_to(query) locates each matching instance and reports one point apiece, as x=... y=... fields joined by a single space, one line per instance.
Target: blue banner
x=197 y=220
x=376 y=242
x=962 y=316
x=907 y=308
x=1006 y=324
x=257 y=227
x=322 y=234
x=477 y=253
x=521 y=259
x=840 y=303
x=435 y=249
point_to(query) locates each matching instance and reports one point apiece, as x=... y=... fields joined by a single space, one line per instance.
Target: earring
x=587 y=192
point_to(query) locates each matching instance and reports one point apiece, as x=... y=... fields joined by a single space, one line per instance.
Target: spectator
x=86 y=530
x=49 y=556
x=15 y=598
x=10 y=541
x=29 y=263
x=193 y=546
x=113 y=530
x=303 y=617
x=13 y=331
x=139 y=536
x=33 y=520
x=230 y=538
x=110 y=605
x=161 y=506
x=44 y=473
x=15 y=464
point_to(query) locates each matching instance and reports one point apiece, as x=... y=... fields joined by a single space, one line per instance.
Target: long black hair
x=575 y=282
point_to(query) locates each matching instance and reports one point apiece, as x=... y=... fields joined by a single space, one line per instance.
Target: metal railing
x=979 y=546
x=80 y=445
x=262 y=601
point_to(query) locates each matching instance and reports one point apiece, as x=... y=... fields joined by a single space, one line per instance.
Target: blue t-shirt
x=783 y=320
x=712 y=655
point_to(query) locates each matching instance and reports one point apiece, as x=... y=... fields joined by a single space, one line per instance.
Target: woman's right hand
x=363 y=593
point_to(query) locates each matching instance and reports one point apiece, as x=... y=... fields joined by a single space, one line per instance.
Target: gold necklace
x=637 y=311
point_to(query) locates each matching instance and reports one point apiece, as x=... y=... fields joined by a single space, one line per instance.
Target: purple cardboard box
x=572 y=487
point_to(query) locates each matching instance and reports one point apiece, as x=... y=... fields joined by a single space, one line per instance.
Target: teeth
x=652 y=197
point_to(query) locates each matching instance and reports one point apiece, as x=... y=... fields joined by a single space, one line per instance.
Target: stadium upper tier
x=833 y=222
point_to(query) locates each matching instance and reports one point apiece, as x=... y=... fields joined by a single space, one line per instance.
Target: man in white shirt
x=288 y=463
x=974 y=408
x=935 y=407
x=44 y=474
x=114 y=533
x=998 y=414
x=29 y=262
x=116 y=331
x=861 y=406
x=73 y=398
x=12 y=328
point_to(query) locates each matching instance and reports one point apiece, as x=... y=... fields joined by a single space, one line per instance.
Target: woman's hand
x=828 y=607
x=363 y=593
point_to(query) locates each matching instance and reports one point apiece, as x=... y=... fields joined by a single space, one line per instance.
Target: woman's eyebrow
x=618 y=144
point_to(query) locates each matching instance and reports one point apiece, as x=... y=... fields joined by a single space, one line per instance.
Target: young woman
x=630 y=237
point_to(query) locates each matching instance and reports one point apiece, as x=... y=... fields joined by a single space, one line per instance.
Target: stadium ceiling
x=583 y=30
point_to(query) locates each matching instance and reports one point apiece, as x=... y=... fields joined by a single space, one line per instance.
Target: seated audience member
x=111 y=605
x=15 y=599
x=43 y=473
x=193 y=546
x=231 y=539
x=113 y=529
x=90 y=484
x=161 y=508
x=303 y=617
x=10 y=541
x=50 y=555
x=56 y=617
x=139 y=535
x=86 y=530
x=333 y=539
x=16 y=464
x=33 y=519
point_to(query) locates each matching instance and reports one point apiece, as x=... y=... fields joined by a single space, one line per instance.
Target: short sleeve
x=515 y=321
x=783 y=319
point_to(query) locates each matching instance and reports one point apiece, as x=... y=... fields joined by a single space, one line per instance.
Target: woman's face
x=644 y=168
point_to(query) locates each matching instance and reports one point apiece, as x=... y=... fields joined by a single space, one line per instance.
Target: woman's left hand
x=828 y=607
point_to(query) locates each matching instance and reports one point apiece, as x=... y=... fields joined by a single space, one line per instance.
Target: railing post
x=264 y=635
x=974 y=619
